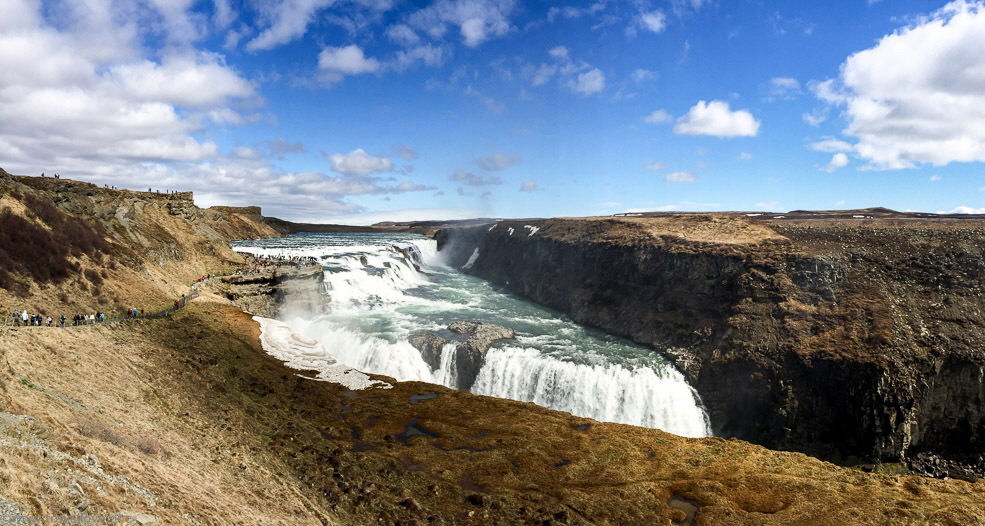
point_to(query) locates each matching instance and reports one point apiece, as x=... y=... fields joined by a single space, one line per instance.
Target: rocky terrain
x=856 y=337
x=186 y=420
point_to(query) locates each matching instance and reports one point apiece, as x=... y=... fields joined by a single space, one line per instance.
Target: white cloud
x=831 y=145
x=467 y=178
x=559 y=52
x=358 y=162
x=838 y=160
x=659 y=117
x=498 y=161
x=403 y=35
x=490 y=103
x=916 y=97
x=336 y=62
x=285 y=20
x=528 y=186
x=589 y=82
x=195 y=81
x=681 y=177
x=935 y=178
x=477 y=20
x=427 y=54
x=815 y=117
x=744 y=156
x=784 y=87
x=653 y=21
x=716 y=119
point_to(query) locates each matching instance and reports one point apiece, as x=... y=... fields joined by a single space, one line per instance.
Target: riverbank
x=188 y=420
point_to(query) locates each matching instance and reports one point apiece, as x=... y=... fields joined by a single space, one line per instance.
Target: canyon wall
x=859 y=341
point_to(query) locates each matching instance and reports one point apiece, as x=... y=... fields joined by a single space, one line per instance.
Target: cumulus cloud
x=640 y=76
x=498 y=161
x=716 y=119
x=681 y=177
x=336 y=62
x=655 y=167
x=358 y=162
x=838 y=160
x=469 y=179
x=916 y=96
x=659 y=117
x=589 y=82
x=653 y=21
x=528 y=186
x=744 y=156
x=403 y=34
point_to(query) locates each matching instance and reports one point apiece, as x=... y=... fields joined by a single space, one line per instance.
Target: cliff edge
x=853 y=338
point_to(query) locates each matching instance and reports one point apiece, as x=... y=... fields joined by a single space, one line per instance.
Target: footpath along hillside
x=185 y=419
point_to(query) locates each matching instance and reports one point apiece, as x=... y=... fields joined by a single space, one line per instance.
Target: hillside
x=186 y=420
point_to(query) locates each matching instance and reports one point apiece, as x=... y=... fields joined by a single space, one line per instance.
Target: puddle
x=689 y=507
x=414 y=430
x=414 y=398
x=351 y=394
x=582 y=427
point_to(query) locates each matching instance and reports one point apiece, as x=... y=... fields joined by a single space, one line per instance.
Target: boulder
x=470 y=355
x=430 y=345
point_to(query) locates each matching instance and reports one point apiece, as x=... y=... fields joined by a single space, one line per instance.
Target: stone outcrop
x=856 y=341
x=470 y=354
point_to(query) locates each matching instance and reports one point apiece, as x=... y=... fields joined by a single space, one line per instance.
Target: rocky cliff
x=858 y=340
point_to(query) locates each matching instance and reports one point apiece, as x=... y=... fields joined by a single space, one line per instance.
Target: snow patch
x=510 y=231
x=492 y=227
x=300 y=352
x=475 y=255
x=754 y=215
x=533 y=229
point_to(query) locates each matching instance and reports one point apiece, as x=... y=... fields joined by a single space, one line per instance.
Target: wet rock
x=430 y=345
x=471 y=354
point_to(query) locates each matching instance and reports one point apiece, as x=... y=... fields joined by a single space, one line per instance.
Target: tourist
x=63 y=321
x=17 y=317
x=24 y=317
x=47 y=321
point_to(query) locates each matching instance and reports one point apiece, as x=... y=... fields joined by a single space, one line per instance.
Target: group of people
x=56 y=175
x=22 y=318
x=35 y=320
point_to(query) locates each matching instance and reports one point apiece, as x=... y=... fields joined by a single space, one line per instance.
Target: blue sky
x=366 y=110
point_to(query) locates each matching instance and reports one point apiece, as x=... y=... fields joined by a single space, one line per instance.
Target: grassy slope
x=191 y=410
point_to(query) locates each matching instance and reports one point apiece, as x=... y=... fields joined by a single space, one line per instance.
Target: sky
x=358 y=111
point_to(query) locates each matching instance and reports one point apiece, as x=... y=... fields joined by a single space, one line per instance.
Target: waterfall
x=383 y=288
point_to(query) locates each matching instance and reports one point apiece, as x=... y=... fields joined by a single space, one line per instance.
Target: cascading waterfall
x=381 y=288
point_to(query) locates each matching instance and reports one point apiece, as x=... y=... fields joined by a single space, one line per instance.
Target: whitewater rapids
x=381 y=288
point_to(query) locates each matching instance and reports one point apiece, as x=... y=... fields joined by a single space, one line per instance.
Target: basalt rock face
x=470 y=354
x=853 y=340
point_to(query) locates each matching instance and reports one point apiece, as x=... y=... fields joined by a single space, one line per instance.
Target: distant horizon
x=380 y=110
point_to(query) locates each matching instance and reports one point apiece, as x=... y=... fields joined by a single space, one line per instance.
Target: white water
x=376 y=298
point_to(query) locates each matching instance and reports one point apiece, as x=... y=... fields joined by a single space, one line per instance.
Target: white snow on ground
x=510 y=231
x=475 y=255
x=533 y=229
x=492 y=227
x=303 y=353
